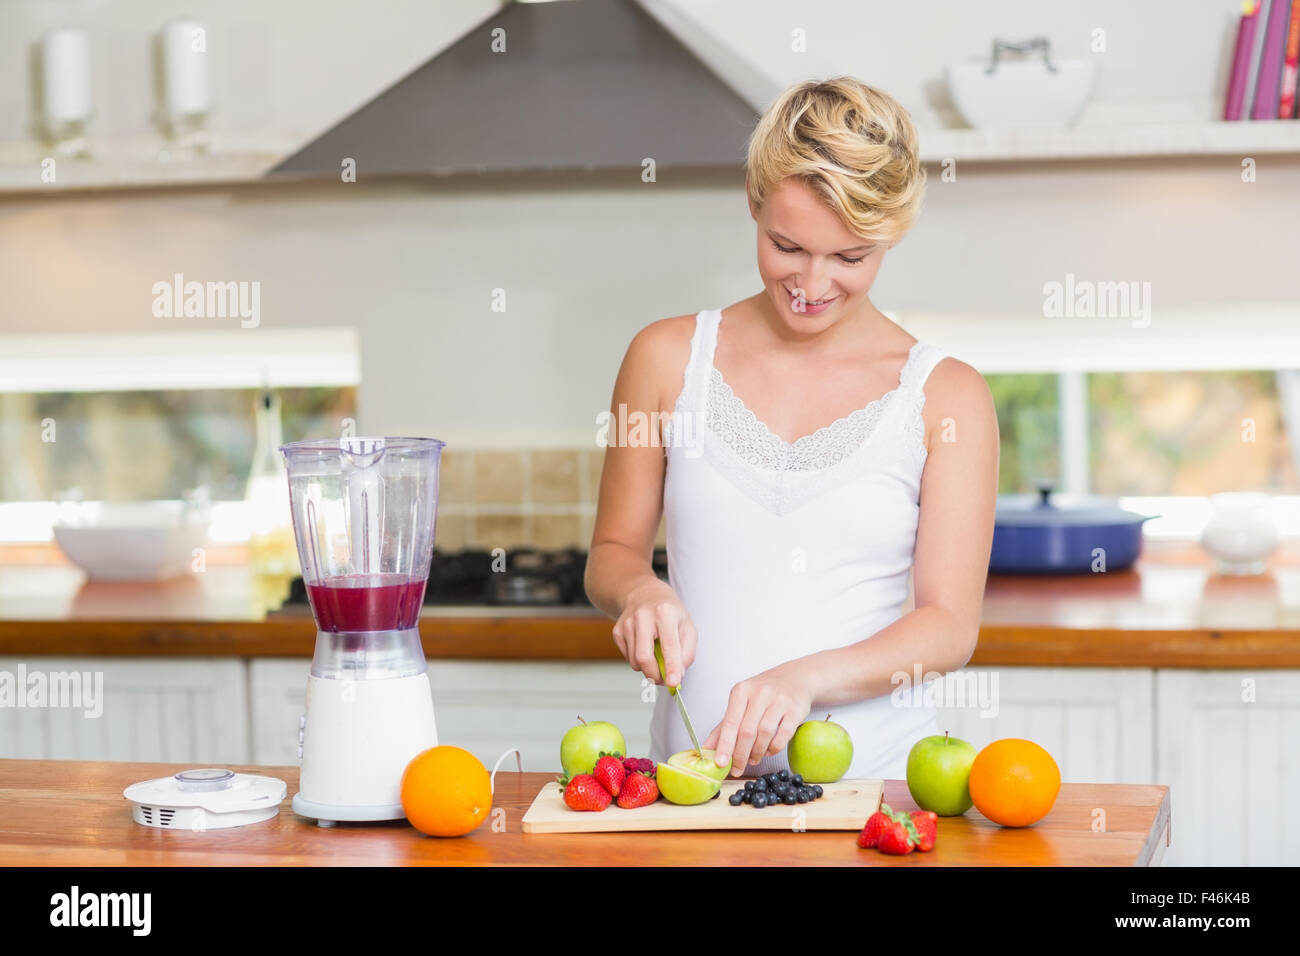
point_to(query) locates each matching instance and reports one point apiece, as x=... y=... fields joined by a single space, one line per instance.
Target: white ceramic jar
x=1242 y=532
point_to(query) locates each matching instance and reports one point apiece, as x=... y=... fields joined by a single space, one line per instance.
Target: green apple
x=820 y=751
x=938 y=774
x=690 y=777
x=701 y=762
x=582 y=745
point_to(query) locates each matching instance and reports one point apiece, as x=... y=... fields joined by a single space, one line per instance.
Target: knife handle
x=659 y=659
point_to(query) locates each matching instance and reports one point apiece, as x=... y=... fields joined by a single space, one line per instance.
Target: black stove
x=522 y=577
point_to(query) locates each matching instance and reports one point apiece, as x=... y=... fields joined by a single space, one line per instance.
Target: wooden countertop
x=72 y=813
x=1170 y=610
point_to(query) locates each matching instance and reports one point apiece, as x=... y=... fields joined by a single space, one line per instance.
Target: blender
x=364 y=511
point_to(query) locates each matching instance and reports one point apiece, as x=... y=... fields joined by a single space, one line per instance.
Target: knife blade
x=681 y=701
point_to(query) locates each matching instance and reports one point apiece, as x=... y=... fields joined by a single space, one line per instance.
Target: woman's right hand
x=654 y=610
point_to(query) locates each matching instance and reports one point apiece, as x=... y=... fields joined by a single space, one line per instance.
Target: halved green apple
x=690 y=777
x=700 y=761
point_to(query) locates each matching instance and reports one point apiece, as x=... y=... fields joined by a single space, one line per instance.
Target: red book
x=1290 y=66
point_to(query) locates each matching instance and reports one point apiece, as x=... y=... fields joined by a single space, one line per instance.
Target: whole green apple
x=938 y=774
x=820 y=751
x=582 y=745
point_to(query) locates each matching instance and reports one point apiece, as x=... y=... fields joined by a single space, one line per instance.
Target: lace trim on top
x=753 y=442
x=782 y=475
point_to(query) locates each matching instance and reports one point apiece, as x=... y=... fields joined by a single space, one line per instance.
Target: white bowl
x=1020 y=93
x=137 y=541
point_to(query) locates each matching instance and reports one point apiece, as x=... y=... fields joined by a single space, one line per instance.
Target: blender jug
x=364 y=515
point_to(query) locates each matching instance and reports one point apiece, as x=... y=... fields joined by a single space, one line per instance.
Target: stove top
x=522 y=577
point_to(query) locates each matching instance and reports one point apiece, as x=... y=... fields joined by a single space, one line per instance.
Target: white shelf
x=141 y=162
x=1246 y=138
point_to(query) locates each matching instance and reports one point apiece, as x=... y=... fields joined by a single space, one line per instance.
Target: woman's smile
x=804 y=306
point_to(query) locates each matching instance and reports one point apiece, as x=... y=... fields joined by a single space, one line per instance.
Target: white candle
x=186 y=77
x=65 y=76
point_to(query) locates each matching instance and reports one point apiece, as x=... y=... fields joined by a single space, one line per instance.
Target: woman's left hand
x=762 y=715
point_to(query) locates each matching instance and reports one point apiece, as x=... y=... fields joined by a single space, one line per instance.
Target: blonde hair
x=852 y=144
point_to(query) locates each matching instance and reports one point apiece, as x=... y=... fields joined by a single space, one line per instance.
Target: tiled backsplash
x=542 y=498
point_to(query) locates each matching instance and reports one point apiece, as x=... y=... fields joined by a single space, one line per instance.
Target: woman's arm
x=953 y=539
x=619 y=578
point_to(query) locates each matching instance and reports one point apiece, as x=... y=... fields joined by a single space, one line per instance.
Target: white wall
x=585 y=262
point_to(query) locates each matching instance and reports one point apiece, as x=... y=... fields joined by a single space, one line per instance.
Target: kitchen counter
x=1170 y=610
x=66 y=813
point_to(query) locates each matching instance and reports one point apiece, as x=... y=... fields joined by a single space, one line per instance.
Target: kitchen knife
x=681 y=701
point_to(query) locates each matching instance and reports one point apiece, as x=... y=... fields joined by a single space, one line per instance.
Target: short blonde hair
x=853 y=145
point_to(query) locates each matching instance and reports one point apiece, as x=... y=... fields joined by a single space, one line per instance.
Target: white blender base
x=357 y=739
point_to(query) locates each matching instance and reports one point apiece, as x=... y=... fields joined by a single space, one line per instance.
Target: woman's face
x=815 y=271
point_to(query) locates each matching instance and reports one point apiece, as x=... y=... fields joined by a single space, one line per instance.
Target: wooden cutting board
x=844 y=805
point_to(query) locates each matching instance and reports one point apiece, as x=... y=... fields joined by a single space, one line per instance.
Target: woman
x=817 y=454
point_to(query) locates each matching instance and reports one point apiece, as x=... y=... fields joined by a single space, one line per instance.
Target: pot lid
x=1032 y=511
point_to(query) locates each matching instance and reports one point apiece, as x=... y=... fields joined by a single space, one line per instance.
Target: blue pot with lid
x=1037 y=535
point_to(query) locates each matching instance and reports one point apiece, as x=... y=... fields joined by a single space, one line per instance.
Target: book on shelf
x=1239 y=76
x=1268 y=86
x=1264 y=79
x=1290 y=66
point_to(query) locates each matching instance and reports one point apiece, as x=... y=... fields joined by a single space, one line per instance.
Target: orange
x=1014 y=782
x=446 y=791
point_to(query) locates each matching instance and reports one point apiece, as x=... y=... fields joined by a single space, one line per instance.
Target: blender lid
x=212 y=789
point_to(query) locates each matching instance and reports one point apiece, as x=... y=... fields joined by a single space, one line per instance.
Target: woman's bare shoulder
x=958 y=391
x=659 y=353
x=666 y=337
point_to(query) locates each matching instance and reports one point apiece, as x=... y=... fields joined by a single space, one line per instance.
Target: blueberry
x=797 y=780
x=760 y=785
x=746 y=795
x=749 y=785
x=788 y=799
x=760 y=799
x=802 y=796
x=736 y=799
x=783 y=775
x=817 y=790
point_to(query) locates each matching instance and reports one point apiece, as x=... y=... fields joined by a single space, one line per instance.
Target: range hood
x=582 y=85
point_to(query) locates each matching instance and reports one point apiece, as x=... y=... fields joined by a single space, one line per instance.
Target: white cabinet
x=277 y=689
x=487 y=707
x=1226 y=746
x=1096 y=721
x=184 y=711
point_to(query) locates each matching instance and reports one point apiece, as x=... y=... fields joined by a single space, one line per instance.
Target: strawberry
x=927 y=828
x=584 y=792
x=609 y=770
x=875 y=826
x=895 y=839
x=639 y=790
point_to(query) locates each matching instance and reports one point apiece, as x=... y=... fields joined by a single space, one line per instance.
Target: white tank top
x=780 y=550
